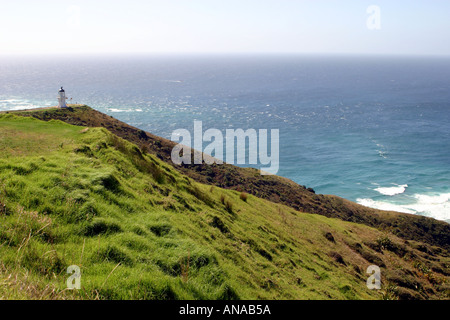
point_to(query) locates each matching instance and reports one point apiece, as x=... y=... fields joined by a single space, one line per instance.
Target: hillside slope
x=139 y=229
x=274 y=188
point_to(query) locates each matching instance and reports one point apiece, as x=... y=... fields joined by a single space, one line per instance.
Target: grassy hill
x=141 y=229
x=274 y=188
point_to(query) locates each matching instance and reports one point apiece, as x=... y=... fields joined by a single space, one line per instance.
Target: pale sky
x=225 y=26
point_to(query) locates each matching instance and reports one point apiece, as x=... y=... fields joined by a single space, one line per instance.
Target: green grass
x=273 y=188
x=139 y=229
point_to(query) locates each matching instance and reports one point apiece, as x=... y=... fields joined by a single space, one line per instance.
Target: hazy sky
x=226 y=26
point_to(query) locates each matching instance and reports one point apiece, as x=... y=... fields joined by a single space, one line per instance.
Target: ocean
x=375 y=130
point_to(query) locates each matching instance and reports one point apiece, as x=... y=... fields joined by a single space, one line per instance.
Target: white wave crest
x=392 y=191
x=432 y=205
x=436 y=206
x=382 y=205
x=13 y=101
x=120 y=110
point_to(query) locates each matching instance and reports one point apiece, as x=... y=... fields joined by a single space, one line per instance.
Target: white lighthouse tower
x=62 y=98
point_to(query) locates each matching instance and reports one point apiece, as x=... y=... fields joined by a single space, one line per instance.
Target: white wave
x=382 y=154
x=383 y=205
x=432 y=205
x=18 y=107
x=436 y=206
x=392 y=191
x=28 y=106
x=21 y=104
x=120 y=110
x=11 y=100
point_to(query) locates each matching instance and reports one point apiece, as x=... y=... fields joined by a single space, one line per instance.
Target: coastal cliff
x=274 y=188
x=84 y=188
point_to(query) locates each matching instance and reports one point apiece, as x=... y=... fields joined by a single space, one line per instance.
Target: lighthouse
x=62 y=98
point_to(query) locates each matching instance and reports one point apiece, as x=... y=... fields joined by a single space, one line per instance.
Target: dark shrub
x=101 y=227
x=160 y=229
x=217 y=223
x=114 y=254
x=337 y=257
x=142 y=135
x=229 y=206
x=329 y=237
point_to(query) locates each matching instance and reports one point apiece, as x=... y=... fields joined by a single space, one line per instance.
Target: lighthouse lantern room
x=62 y=98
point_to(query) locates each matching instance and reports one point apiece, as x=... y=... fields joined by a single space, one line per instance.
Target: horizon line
x=259 y=53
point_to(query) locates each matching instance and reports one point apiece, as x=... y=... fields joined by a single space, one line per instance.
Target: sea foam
x=16 y=104
x=432 y=205
x=382 y=205
x=120 y=110
x=392 y=191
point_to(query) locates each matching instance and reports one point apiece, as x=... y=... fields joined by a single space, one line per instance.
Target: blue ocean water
x=370 y=129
